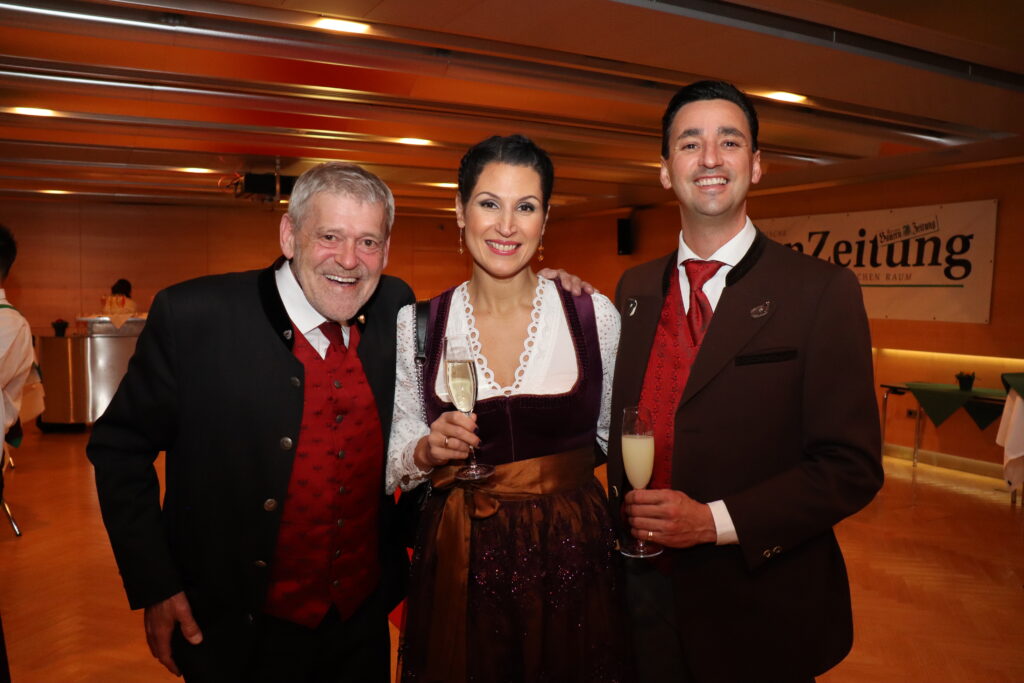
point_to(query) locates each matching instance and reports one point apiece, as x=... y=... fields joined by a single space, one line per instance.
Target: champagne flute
x=460 y=376
x=638 y=461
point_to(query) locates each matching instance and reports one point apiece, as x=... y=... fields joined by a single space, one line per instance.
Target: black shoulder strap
x=422 y=316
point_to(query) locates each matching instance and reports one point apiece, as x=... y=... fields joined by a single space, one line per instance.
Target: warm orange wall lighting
x=947 y=357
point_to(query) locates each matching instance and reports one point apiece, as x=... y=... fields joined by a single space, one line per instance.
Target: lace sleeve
x=407 y=427
x=608 y=337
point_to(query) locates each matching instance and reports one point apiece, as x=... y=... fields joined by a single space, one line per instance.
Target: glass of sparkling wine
x=460 y=375
x=638 y=461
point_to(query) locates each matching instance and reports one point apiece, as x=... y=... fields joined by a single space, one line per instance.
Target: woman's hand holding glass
x=451 y=437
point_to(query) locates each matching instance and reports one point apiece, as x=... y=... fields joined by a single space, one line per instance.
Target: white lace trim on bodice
x=533 y=331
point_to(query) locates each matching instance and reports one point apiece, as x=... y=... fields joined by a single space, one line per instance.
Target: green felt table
x=939 y=401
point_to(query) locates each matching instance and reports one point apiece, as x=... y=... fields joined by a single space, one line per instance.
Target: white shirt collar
x=729 y=253
x=302 y=314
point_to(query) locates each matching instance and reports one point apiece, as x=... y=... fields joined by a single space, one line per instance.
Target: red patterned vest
x=668 y=368
x=327 y=546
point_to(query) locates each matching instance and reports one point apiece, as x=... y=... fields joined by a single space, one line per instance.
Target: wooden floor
x=936 y=566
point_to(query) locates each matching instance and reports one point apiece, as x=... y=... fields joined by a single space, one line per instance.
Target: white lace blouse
x=547 y=365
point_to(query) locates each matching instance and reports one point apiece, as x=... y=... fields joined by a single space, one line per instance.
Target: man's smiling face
x=337 y=253
x=711 y=162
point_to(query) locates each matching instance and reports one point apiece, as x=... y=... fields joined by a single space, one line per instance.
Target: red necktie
x=699 y=315
x=332 y=331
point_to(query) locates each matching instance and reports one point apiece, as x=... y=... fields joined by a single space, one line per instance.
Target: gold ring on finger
x=650 y=534
x=446 y=442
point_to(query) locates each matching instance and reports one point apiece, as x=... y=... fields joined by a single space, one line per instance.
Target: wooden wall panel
x=243 y=240
x=45 y=282
x=151 y=248
x=435 y=262
x=587 y=247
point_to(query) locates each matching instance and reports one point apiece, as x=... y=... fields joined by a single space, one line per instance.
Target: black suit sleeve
x=138 y=424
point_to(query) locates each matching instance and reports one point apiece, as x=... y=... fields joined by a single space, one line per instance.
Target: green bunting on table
x=939 y=401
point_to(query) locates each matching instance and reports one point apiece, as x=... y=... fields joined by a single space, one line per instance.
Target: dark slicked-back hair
x=515 y=150
x=706 y=90
x=8 y=251
x=122 y=287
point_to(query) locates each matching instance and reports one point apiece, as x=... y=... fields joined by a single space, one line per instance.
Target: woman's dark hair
x=122 y=287
x=515 y=150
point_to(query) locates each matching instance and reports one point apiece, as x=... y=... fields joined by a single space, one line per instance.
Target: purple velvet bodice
x=526 y=426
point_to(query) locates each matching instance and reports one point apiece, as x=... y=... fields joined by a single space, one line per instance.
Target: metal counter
x=81 y=374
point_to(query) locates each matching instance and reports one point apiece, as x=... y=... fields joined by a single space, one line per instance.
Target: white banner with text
x=914 y=263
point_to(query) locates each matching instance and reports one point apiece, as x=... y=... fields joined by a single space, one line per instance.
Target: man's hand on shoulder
x=676 y=520
x=570 y=282
x=161 y=619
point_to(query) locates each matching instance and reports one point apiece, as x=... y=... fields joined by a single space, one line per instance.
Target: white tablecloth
x=1011 y=438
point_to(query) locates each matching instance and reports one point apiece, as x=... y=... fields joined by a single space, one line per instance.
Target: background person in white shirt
x=16 y=355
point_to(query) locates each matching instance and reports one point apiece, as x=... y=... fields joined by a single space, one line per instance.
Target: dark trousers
x=657 y=653
x=356 y=650
x=657 y=646
x=5 y=672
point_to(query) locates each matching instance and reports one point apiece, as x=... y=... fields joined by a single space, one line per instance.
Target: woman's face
x=504 y=218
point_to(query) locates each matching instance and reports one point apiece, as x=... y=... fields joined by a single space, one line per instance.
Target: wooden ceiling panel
x=146 y=88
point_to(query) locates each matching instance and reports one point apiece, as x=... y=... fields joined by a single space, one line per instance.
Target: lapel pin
x=761 y=310
x=361 y=319
x=631 y=307
x=287 y=334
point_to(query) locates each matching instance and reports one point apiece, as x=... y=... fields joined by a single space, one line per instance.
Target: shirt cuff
x=723 y=523
x=411 y=474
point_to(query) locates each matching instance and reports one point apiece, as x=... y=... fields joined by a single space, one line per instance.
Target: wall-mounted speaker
x=264 y=185
x=625 y=236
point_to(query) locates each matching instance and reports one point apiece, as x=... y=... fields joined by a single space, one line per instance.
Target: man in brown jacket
x=755 y=363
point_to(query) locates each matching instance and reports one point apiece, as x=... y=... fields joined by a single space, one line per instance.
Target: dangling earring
x=540 y=249
x=460 y=240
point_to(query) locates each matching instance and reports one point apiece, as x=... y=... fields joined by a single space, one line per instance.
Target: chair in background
x=3 y=501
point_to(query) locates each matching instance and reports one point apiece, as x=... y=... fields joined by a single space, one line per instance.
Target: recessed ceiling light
x=415 y=141
x=54 y=191
x=342 y=25
x=33 y=111
x=196 y=169
x=783 y=96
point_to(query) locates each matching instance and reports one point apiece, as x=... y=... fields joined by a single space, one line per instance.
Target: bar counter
x=81 y=373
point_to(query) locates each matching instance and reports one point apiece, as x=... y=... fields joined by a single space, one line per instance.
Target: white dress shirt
x=306 y=319
x=730 y=254
x=16 y=358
